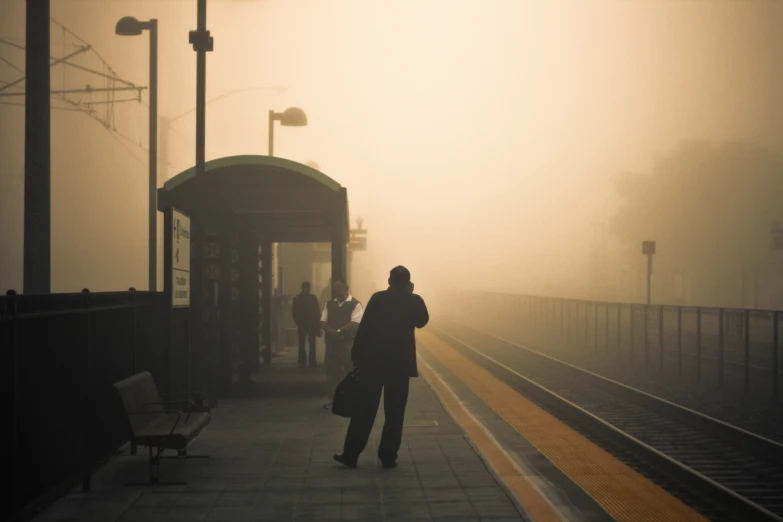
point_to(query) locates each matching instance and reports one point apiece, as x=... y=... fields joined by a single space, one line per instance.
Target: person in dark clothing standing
x=340 y=320
x=307 y=316
x=384 y=352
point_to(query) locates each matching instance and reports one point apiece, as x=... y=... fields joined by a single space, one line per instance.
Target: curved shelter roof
x=282 y=199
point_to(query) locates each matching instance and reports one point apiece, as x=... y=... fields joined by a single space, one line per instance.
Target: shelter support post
x=168 y=284
x=226 y=318
x=248 y=294
x=196 y=379
x=340 y=238
x=266 y=301
x=338 y=252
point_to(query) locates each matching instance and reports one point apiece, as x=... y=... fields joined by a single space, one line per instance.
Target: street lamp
x=165 y=123
x=291 y=117
x=130 y=26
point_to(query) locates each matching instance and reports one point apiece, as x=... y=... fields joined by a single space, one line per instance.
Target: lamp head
x=293 y=117
x=129 y=26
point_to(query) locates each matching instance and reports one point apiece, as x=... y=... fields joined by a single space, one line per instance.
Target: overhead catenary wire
x=98 y=104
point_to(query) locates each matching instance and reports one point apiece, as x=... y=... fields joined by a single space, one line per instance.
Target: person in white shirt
x=340 y=320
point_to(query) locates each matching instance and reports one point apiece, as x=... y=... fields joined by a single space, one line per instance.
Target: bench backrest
x=139 y=394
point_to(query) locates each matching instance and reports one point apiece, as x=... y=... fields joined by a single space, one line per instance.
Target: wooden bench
x=161 y=422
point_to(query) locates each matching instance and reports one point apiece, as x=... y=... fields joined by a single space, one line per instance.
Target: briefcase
x=346 y=396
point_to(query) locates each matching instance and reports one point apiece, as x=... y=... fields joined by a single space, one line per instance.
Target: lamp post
x=291 y=117
x=165 y=123
x=130 y=26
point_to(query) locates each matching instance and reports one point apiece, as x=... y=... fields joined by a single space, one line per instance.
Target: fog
x=501 y=144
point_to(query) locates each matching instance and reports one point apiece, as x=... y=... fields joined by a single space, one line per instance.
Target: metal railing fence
x=59 y=355
x=720 y=346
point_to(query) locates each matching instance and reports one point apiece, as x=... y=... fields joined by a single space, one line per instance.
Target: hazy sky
x=476 y=138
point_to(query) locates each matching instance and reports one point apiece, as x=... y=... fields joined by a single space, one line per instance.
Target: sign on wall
x=180 y=259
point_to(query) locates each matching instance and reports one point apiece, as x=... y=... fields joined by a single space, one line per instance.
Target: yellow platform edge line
x=623 y=492
x=529 y=497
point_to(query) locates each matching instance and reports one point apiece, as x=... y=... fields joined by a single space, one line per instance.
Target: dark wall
x=60 y=355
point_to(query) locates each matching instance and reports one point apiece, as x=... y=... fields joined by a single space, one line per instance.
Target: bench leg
x=154 y=472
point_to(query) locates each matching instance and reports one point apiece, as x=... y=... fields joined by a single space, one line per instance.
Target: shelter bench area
x=161 y=424
x=271 y=460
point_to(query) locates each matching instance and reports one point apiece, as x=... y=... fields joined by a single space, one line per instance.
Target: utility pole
x=202 y=43
x=648 y=249
x=152 y=195
x=37 y=152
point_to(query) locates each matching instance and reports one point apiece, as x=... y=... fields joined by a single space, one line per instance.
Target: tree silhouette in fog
x=709 y=206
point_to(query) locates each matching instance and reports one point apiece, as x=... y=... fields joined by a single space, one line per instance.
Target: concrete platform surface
x=271 y=459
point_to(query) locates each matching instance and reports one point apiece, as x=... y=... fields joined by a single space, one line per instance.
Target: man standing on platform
x=307 y=313
x=340 y=320
x=384 y=351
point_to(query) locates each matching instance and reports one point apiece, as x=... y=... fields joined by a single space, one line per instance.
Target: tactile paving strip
x=533 y=502
x=622 y=492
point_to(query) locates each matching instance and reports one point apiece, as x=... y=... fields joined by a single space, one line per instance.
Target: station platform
x=474 y=449
x=271 y=459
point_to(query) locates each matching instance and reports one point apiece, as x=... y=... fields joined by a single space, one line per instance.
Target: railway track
x=738 y=470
